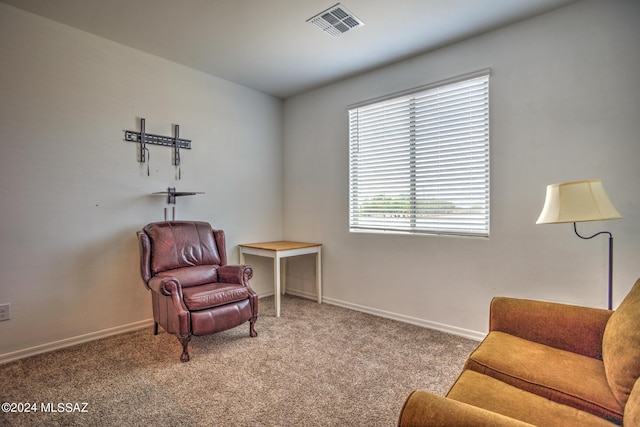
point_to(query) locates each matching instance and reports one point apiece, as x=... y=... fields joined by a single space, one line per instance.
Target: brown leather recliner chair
x=193 y=290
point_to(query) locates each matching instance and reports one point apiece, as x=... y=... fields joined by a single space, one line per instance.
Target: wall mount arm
x=172 y=194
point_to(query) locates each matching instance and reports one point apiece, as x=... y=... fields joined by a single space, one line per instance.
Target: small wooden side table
x=284 y=249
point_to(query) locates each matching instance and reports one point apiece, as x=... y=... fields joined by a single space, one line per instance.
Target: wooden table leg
x=319 y=274
x=276 y=281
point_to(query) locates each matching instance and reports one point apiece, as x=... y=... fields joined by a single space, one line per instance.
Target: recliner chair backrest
x=177 y=244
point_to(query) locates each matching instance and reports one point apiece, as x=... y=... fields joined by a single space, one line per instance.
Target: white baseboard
x=454 y=330
x=303 y=294
x=265 y=294
x=68 y=342
x=466 y=333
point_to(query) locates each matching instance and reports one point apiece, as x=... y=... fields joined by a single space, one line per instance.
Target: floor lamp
x=580 y=201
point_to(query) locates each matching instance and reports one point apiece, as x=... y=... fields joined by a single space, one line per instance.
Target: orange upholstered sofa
x=544 y=364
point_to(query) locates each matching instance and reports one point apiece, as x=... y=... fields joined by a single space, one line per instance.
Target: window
x=419 y=161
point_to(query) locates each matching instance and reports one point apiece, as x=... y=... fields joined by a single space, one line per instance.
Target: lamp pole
x=610 y=257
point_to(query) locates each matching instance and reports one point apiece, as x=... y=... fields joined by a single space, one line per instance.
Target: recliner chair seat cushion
x=213 y=295
x=227 y=316
x=193 y=276
x=562 y=376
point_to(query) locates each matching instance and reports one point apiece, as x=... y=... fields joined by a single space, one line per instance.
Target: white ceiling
x=267 y=45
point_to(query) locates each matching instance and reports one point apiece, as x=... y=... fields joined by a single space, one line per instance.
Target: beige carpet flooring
x=316 y=365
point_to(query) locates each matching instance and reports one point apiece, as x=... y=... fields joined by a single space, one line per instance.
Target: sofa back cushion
x=177 y=244
x=621 y=346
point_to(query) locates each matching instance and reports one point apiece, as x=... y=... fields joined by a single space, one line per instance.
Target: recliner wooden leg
x=155 y=328
x=184 y=357
x=252 y=331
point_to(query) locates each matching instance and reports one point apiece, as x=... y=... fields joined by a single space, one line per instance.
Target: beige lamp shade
x=577 y=201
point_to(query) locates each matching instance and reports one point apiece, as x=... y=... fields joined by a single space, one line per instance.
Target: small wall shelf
x=171 y=194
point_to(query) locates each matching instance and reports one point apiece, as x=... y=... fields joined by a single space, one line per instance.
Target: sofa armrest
x=423 y=408
x=563 y=326
x=235 y=274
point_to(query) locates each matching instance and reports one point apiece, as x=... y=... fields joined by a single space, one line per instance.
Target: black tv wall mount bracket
x=144 y=138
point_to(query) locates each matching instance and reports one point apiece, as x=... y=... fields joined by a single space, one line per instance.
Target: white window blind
x=419 y=162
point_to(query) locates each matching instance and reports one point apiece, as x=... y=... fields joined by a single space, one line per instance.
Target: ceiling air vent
x=336 y=20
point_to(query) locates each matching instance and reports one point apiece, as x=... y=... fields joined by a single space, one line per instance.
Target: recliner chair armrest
x=235 y=274
x=145 y=256
x=165 y=285
x=567 y=327
x=423 y=408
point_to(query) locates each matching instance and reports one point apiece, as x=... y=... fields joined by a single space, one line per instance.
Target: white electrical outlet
x=5 y=312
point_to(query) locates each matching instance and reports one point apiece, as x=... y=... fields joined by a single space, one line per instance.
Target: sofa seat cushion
x=213 y=295
x=496 y=396
x=564 y=377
